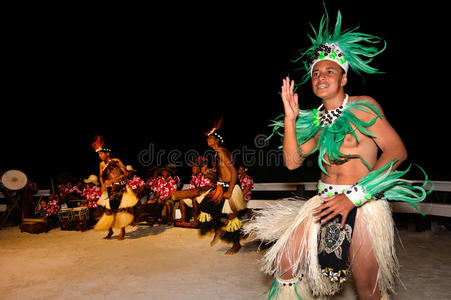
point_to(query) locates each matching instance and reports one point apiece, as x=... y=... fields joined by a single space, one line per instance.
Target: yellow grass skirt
x=116 y=220
x=129 y=199
x=121 y=218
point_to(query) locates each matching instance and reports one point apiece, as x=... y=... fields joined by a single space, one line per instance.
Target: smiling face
x=328 y=79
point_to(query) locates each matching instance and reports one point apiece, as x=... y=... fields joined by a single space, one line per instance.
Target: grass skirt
x=116 y=220
x=129 y=199
x=120 y=218
x=105 y=222
x=238 y=200
x=290 y=224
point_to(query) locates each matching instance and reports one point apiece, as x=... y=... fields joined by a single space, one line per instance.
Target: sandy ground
x=176 y=263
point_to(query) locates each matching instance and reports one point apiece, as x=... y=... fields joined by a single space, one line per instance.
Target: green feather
x=296 y=291
x=273 y=289
x=389 y=183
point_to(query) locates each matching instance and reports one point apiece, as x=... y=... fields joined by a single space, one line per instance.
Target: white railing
x=435 y=209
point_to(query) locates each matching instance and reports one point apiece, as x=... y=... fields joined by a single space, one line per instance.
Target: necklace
x=327 y=118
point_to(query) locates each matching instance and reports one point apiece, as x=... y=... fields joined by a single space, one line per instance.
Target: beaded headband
x=218 y=136
x=329 y=52
x=104 y=150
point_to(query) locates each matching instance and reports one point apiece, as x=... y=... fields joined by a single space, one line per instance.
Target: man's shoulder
x=372 y=105
x=223 y=153
x=363 y=99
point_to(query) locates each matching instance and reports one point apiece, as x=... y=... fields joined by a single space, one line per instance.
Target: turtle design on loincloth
x=332 y=237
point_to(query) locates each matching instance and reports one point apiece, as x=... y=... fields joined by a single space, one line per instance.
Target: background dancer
x=226 y=198
x=116 y=195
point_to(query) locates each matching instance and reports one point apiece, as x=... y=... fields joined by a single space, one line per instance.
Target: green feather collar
x=331 y=136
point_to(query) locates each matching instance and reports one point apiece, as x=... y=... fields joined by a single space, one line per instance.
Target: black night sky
x=154 y=78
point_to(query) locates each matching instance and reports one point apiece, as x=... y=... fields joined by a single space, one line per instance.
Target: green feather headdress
x=347 y=47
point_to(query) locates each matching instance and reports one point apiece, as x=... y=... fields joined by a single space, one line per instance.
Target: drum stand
x=14 y=204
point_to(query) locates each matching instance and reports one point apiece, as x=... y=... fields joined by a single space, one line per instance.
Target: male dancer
x=116 y=195
x=227 y=198
x=347 y=221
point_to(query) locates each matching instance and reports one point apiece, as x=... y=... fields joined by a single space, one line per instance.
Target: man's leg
x=122 y=234
x=218 y=234
x=195 y=212
x=169 y=209
x=110 y=234
x=182 y=210
x=364 y=264
x=236 y=239
x=110 y=230
x=295 y=249
x=236 y=243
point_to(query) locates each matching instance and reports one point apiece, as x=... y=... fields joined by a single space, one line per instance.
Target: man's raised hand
x=290 y=99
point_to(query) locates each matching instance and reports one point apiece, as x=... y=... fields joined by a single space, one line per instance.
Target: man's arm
x=123 y=169
x=291 y=149
x=102 y=184
x=387 y=139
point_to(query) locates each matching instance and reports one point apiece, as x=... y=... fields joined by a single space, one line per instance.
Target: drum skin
x=14 y=180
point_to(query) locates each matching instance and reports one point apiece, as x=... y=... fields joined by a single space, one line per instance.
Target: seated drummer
x=91 y=193
x=164 y=187
x=138 y=187
x=135 y=182
x=151 y=183
x=48 y=209
x=75 y=197
x=64 y=188
x=41 y=209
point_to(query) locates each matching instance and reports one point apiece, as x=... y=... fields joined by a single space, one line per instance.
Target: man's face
x=204 y=169
x=165 y=173
x=327 y=78
x=103 y=155
x=212 y=141
x=195 y=170
x=241 y=170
